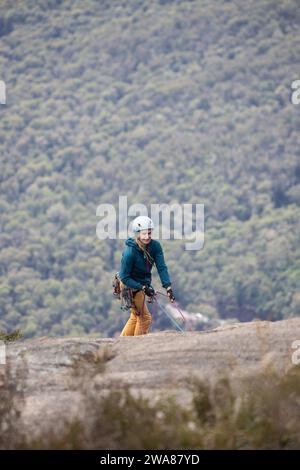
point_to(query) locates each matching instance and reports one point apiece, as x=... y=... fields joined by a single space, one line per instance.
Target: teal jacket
x=135 y=269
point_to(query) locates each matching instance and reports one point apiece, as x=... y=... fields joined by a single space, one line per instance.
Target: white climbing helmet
x=142 y=223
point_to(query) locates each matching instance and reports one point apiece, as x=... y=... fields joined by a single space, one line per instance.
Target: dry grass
x=10 y=337
x=259 y=411
x=262 y=415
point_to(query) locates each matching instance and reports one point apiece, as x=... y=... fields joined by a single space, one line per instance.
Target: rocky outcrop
x=153 y=364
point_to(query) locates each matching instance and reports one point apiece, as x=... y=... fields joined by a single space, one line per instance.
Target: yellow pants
x=140 y=318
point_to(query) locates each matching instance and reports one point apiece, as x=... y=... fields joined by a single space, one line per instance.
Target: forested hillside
x=164 y=102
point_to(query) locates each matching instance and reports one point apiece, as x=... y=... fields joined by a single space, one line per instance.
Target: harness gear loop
x=123 y=293
x=116 y=286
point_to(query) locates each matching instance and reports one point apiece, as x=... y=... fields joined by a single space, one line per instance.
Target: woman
x=140 y=253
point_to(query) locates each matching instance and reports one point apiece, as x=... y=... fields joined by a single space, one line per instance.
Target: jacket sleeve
x=126 y=269
x=161 y=267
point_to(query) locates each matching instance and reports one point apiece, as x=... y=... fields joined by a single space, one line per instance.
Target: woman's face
x=145 y=236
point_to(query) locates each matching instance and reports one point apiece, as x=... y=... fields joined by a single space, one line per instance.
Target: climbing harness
x=116 y=286
x=124 y=293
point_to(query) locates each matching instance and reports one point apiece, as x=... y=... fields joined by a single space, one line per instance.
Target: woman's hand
x=170 y=294
x=149 y=291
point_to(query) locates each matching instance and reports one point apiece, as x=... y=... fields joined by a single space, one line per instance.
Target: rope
x=170 y=317
x=157 y=304
x=188 y=324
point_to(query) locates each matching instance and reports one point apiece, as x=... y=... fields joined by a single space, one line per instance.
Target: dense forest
x=164 y=102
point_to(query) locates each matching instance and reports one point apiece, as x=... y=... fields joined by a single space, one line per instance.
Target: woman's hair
x=142 y=247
